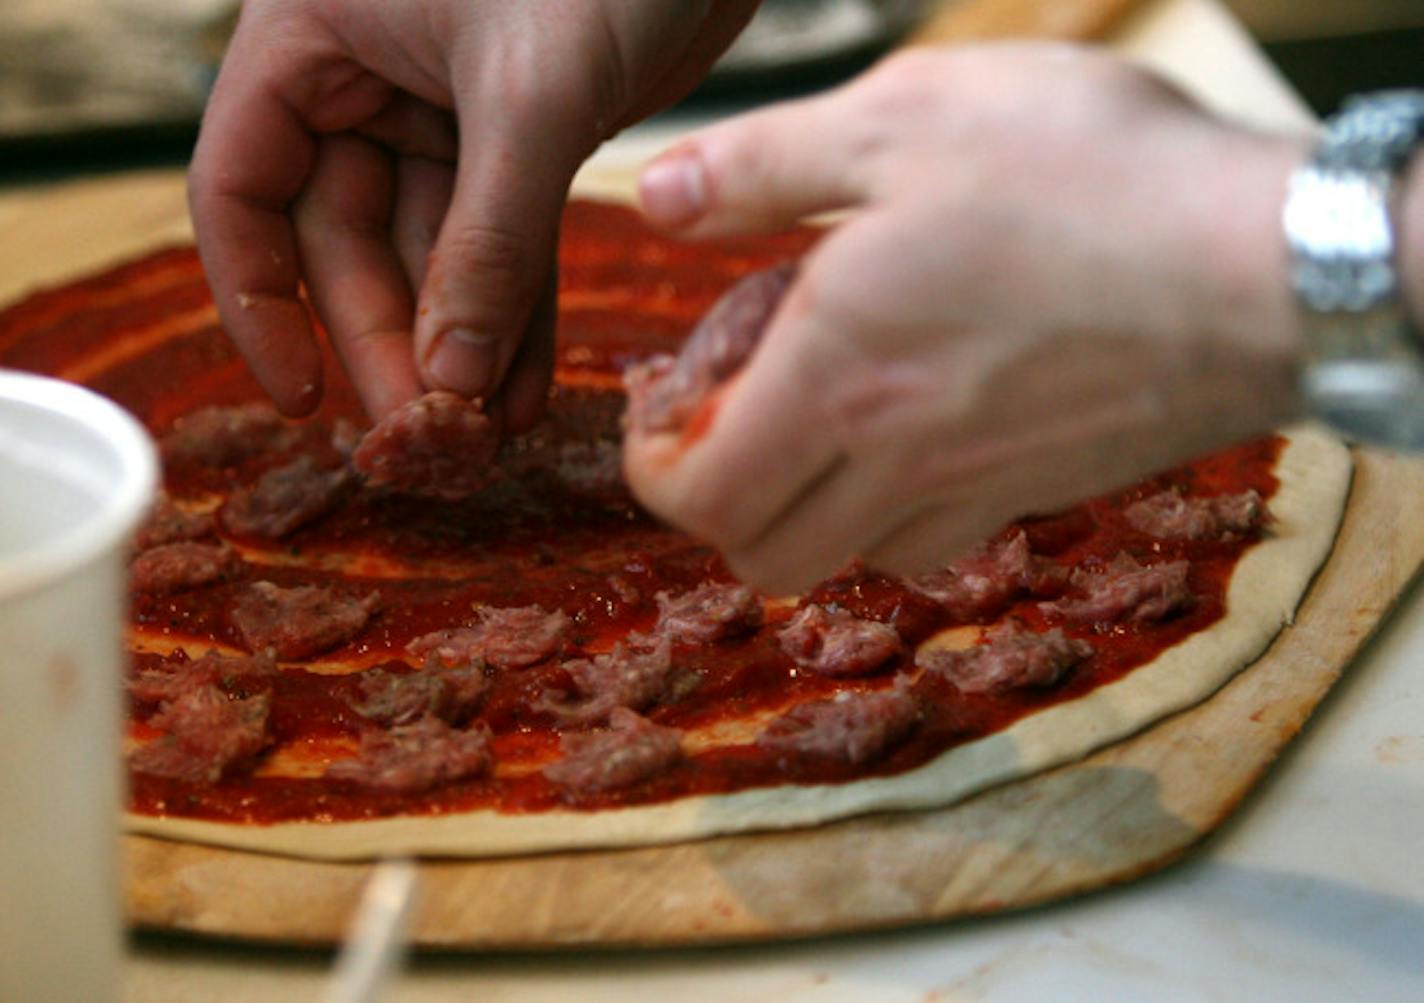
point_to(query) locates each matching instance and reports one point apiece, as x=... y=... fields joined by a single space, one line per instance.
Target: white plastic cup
x=76 y=475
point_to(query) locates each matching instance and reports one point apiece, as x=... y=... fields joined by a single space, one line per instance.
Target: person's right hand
x=408 y=163
x=1054 y=275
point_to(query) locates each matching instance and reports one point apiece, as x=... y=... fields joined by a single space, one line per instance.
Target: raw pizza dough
x=1314 y=471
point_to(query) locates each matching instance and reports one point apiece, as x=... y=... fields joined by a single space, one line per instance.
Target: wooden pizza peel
x=1119 y=814
x=1116 y=815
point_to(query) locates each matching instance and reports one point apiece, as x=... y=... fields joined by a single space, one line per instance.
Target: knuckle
x=205 y=182
x=492 y=251
x=490 y=276
x=914 y=80
x=896 y=96
x=898 y=99
x=908 y=68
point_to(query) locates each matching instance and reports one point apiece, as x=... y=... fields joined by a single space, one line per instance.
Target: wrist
x=1411 y=241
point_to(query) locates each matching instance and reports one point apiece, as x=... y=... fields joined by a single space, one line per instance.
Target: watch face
x=1338 y=227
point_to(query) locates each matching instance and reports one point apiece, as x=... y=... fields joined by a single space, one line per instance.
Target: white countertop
x=1312 y=891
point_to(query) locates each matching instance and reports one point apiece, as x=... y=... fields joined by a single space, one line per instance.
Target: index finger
x=252 y=158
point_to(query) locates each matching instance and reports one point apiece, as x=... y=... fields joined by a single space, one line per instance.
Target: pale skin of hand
x=408 y=163
x=1056 y=275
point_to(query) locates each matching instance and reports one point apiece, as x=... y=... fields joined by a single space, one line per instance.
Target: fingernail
x=462 y=361
x=673 y=189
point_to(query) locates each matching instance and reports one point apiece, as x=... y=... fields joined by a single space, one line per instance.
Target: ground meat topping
x=415 y=757
x=285 y=499
x=390 y=698
x=836 y=642
x=981 y=584
x=239 y=676
x=591 y=467
x=851 y=727
x=346 y=435
x=520 y=636
x=625 y=590
x=440 y=445
x=630 y=751
x=624 y=677
x=299 y=622
x=708 y=613
x=1011 y=657
x=224 y=436
x=207 y=735
x=177 y=567
x=153 y=687
x=664 y=393
x=1126 y=591
x=505 y=637
x=1169 y=515
x=167 y=523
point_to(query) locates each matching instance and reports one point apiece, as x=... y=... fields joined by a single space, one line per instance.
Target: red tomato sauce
x=533 y=540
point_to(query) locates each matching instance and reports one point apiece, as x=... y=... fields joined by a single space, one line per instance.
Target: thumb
x=761 y=171
x=490 y=261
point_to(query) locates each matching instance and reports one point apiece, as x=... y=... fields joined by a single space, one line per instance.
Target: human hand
x=1057 y=275
x=408 y=163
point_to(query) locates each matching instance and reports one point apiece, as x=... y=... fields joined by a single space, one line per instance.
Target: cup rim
x=117 y=513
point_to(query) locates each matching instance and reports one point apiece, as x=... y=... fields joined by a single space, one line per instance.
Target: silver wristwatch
x=1364 y=367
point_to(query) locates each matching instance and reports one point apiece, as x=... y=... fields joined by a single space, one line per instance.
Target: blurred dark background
x=1323 y=59
x=1325 y=70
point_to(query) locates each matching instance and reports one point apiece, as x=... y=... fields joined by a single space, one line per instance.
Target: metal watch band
x=1364 y=370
